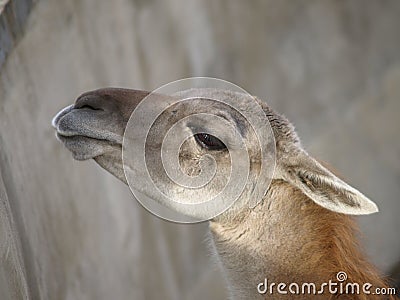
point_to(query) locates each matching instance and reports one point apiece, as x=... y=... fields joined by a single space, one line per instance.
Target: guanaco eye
x=209 y=141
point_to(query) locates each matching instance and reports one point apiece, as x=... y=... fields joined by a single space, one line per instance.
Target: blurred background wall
x=69 y=230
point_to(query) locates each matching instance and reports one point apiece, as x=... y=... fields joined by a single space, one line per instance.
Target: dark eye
x=209 y=141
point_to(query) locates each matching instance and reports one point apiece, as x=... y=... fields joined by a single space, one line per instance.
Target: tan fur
x=291 y=239
x=298 y=233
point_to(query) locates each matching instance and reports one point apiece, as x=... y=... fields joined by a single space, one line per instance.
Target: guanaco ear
x=324 y=188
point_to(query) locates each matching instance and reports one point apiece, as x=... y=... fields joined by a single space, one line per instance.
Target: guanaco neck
x=288 y=238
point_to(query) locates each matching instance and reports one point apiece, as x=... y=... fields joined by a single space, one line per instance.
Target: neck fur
x=288 y=238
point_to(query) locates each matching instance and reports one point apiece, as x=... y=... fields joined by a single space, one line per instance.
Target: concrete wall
x=71 y=231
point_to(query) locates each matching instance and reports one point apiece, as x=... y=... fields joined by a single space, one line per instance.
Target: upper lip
x=59 y=115
x=83 y=131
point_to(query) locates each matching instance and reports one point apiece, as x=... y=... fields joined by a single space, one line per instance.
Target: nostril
x=87 y=106
x=91 y=103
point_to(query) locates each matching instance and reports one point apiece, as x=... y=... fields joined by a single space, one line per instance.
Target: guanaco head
x=94 y=127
